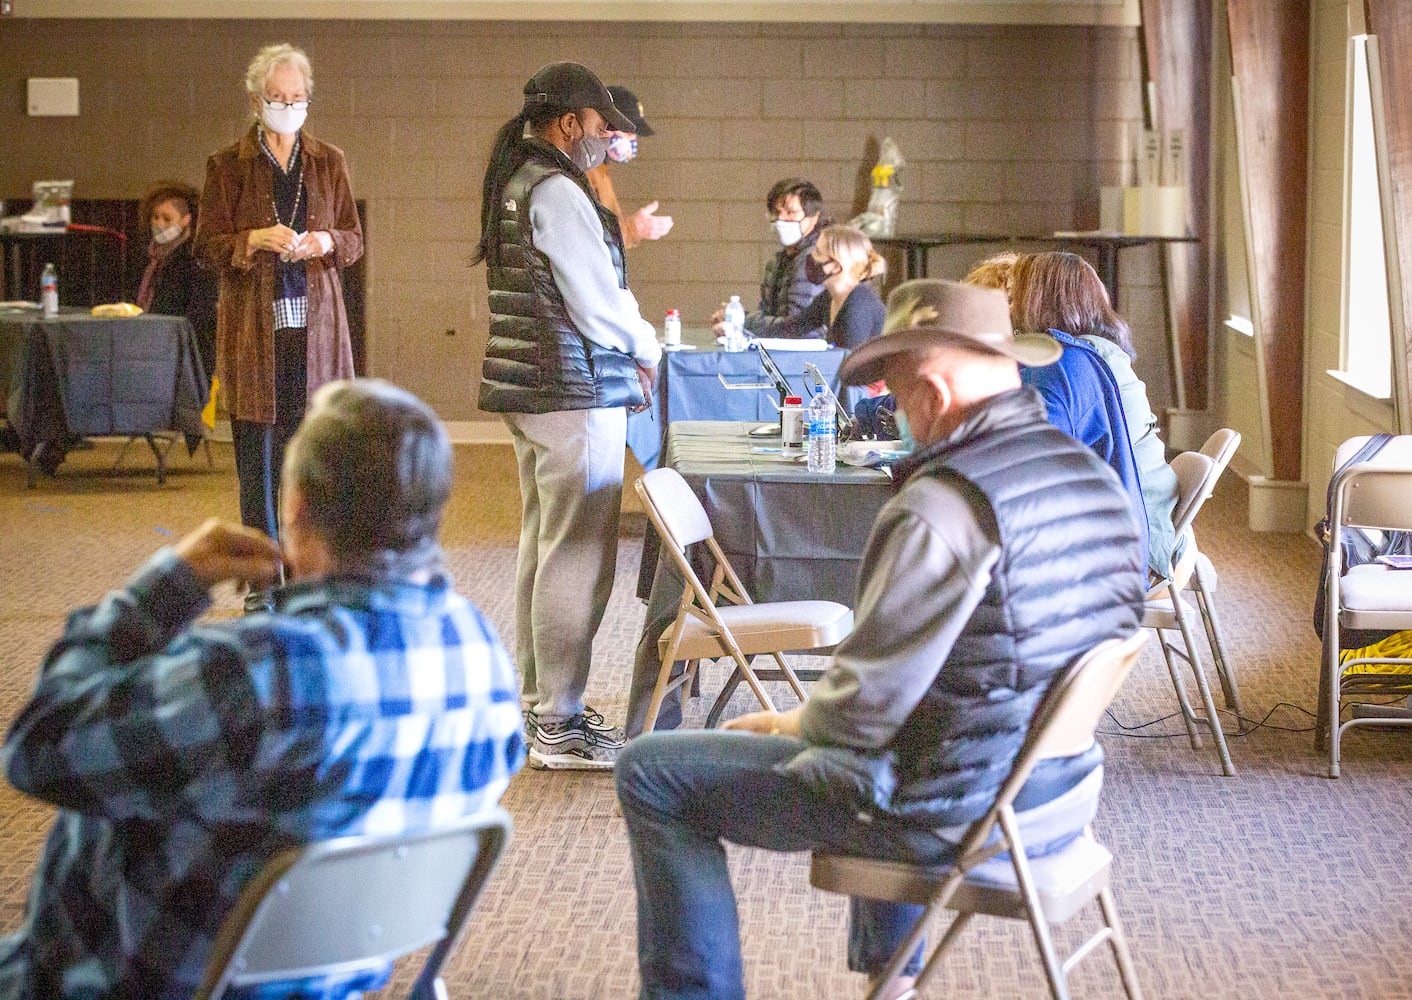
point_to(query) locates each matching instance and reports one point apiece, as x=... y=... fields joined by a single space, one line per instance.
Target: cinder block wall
x=1004 y=129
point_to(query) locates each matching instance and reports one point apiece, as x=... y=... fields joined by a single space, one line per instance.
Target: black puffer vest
x=536 y=360
x=1070 y=575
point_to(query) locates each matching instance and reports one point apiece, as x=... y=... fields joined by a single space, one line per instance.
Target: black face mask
x=815 y=272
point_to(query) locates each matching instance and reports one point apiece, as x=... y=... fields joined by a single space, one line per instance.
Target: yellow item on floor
x=116 y=310
x=1399 y=644
x=208 y=415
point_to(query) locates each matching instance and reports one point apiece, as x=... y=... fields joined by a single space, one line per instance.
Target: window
x=1367 y=324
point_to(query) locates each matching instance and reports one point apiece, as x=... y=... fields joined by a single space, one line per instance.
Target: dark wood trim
x=1391 y=22
x=1270 y=62
x=1176 y=46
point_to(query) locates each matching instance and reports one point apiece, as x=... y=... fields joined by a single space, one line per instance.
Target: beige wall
x=1003 y=127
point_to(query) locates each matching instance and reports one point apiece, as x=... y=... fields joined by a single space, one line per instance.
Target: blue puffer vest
x=1070 y=576
x=536 y=360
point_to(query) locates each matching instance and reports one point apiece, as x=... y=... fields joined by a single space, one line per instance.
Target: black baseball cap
x=570 y=85
x=626 y=102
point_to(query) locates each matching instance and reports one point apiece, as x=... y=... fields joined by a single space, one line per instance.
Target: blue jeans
x=685 y=793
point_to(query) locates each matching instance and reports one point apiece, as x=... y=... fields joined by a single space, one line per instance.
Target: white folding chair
x=1220 y=447
x=1043 y=890
x=358 y=903
x=739 y=629
x=1166 y=611
x=1371 y=495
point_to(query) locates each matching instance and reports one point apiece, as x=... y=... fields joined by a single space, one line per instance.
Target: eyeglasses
x=282 y=105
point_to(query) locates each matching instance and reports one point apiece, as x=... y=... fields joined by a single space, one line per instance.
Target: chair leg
x=898 y=961
x=719 y=705
x=206 y=446
x=1213 y=721
x=1230 y=691
x=1334 y=677
x=1177 y=685
x=664 y=677
x=929 y=970
x=1053 y=969
x=1121 y=955
x=792 y=677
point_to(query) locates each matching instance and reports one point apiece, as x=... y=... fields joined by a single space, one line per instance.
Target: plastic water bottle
x=823 y=432
x=49 y=291
x=735 y=325
x=671 y=328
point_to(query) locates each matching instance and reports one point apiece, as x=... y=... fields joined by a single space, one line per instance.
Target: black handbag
x=1358 y=549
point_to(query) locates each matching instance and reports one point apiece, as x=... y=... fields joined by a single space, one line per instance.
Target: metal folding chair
x=1220 y=447
x=1371 y=495
x=1043 y=890
x=358 y=903
x=1166 y=611
x=739 y=629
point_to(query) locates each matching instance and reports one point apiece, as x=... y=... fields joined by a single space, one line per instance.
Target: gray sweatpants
x=571 y=488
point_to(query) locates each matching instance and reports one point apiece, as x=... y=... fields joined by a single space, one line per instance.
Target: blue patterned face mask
x=904 y=430
x=622 y=148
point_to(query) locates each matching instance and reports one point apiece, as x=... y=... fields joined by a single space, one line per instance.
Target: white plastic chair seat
x=1375 y=596
x=765 y=628
x=1159 y=614
x=1065 y=881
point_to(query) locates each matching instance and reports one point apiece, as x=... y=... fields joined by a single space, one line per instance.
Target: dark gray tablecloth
x=792 y=535
x=689 y=388
x=79 y=375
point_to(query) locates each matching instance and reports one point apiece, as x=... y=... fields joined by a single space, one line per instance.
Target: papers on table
x=793 y=344
x=870 y=454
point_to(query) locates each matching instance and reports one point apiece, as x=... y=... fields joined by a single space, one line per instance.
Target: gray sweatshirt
x=925 y=570
x=567 y=230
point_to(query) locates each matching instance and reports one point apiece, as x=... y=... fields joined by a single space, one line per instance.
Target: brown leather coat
x=237 y=199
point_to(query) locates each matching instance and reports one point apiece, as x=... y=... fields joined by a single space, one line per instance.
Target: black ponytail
x=507 y=155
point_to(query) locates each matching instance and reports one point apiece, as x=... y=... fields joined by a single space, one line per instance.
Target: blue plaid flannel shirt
x=183 y=757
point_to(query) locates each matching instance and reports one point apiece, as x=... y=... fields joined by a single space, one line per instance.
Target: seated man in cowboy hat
x=1008 y=551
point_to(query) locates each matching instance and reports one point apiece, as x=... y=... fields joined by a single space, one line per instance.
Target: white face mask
x=788 y=232
x=621 y=149
x=285 y=121
x=163 y=236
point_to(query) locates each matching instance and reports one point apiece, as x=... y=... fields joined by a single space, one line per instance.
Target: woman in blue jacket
x=1092 y=393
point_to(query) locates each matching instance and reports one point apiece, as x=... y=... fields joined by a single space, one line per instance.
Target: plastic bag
x=880 y=218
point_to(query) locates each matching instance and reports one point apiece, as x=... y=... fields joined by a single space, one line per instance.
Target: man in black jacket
x=797 y=216
x=1008 y=552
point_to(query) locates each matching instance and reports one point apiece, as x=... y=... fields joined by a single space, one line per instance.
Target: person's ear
x=185 y=220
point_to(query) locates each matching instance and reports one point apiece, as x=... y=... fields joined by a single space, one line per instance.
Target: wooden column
x=1390 y=21
x=1270 y=62
x=1176 y=41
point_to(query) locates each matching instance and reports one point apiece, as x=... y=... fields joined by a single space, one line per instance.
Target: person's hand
x=219 y=551
x=647 y=378
x=767 y=723
x=718 y=317
x=649 y=226
x=314 y=244
x=718 y=327
x=276 y=239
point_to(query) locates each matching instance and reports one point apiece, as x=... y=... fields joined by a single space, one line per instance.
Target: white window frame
x=1366 y=317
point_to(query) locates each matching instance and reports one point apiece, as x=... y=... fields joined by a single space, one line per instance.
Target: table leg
x=1108 y=271
x=916 y=262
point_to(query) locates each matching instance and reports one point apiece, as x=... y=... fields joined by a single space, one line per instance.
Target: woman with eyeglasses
x=277 y=223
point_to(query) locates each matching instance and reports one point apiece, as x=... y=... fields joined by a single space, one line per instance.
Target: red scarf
x=157 y=254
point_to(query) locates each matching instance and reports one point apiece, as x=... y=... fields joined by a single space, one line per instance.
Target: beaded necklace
x=298 y=192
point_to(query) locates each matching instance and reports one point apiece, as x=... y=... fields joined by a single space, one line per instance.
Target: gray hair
x=271 y=57
x=372 y=464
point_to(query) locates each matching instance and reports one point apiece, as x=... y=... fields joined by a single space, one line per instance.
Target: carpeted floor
x=1275 y=883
